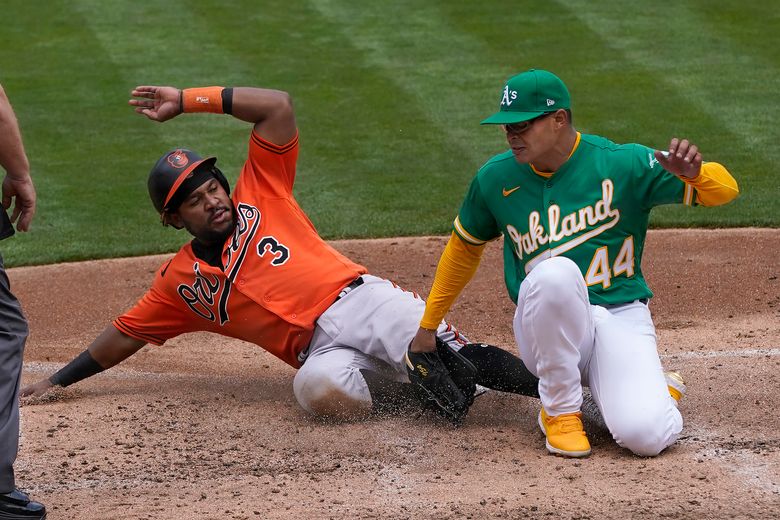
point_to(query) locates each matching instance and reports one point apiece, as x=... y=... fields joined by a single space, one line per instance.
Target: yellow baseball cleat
x=676 y=385
x=565 y=434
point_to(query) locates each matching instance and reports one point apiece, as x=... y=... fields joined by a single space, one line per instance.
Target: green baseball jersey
x=593 y=210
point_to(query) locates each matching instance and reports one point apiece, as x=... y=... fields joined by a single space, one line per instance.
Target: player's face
x=531 y=139
x=208 y=213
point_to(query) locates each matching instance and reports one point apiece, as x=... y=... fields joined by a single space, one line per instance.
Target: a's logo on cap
x=508 y=97
x=178 y=159
x=550 y=102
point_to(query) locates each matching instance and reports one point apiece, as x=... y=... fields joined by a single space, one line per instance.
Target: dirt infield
x=207 y=427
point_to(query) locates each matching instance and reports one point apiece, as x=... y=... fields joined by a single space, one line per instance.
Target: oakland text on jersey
x=600 y=214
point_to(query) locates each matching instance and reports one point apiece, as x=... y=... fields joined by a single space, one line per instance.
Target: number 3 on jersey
x=269 y=245
x=599 y=271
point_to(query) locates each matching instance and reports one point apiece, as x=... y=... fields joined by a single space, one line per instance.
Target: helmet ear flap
x=165 y=220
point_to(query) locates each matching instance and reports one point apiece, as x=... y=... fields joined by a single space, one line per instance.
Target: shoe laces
x=569 y=422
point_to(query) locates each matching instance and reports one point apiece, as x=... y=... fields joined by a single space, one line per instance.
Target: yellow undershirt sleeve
x=457 y=266
x=714 y=185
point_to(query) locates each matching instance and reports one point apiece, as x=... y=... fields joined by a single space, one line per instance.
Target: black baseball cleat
x=18 y=506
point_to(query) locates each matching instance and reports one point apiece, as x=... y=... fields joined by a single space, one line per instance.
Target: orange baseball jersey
x=278 y=274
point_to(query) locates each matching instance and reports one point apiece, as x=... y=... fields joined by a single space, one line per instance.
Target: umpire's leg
x=13 y=333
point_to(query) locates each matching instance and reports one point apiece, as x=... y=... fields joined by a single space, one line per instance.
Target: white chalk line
x=746 y=353
x=43 y=367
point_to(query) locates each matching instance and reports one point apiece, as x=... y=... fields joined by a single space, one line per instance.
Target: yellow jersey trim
x=465 y=235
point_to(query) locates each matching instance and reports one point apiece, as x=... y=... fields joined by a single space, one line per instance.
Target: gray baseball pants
x=13 y=334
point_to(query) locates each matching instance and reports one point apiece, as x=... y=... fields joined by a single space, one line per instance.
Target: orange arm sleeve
x=457 y=266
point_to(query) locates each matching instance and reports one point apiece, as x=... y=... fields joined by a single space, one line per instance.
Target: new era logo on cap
x=550 y=102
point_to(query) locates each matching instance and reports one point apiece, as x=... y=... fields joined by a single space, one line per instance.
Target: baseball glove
x=446 y=378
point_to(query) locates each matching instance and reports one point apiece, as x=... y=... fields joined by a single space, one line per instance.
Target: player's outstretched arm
x=109 y=348
x=270 y=110
x=457 y=265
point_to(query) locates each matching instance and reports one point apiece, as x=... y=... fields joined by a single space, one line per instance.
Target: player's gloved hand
x=462 y=371
x=446 y=378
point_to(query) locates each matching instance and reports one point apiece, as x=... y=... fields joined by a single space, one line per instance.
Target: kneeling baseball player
x=573 y=210
x=258 y=271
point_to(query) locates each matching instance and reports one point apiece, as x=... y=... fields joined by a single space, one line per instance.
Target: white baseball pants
x=368 y=328
x=568 y=343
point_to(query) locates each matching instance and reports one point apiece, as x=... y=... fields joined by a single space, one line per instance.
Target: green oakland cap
x=529 y=95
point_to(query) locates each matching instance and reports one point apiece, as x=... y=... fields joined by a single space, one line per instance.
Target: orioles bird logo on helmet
x=178 y=159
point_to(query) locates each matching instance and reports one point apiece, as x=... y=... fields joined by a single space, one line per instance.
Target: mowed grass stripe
x=688 y=54
x=61 y=85
x=614 y=94
x=369 y=156
x=444 y=71
x=685 y=53
x=388 y=101
x=182 y=51
x=300 y=52
x=341 y=181
x=424 y=98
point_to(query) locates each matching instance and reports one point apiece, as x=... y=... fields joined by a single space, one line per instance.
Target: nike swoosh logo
x=509 y=192
x=162 y=273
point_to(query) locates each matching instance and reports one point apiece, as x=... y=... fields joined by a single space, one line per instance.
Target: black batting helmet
x=170 y=174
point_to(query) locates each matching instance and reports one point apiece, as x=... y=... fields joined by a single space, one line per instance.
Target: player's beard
x=210 y=236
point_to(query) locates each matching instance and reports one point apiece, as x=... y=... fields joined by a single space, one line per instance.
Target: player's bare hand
x=22 y=192
x=157 y=103
x=682 y=158
x=36 y=389
x=424 y=341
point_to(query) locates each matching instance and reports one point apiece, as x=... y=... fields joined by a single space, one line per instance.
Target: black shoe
x=18 y=506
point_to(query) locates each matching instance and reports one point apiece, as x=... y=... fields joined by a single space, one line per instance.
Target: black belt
x=354 y=284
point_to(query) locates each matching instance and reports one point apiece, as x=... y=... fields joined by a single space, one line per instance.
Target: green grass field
x=389 y=96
